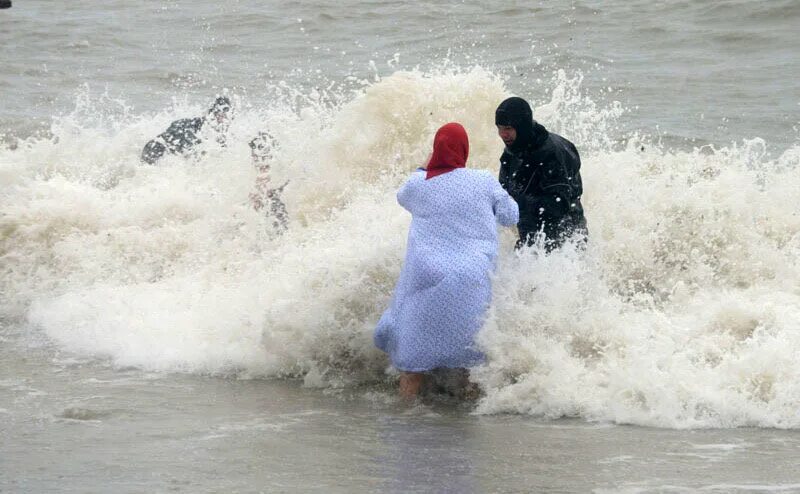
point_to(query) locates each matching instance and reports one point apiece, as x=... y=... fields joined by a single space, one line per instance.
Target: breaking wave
x=683 y=312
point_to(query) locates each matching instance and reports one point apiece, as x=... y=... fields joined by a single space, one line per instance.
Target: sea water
x=159 y=335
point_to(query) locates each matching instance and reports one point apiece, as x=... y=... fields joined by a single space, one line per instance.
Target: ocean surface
x=157 y=334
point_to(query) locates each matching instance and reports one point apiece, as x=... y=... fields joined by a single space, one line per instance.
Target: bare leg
x=410 y=383
x=456 y=383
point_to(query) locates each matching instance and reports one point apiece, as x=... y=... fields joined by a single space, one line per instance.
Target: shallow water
x=78 y=426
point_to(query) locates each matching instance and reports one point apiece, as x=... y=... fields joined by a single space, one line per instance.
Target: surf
x=682 y=312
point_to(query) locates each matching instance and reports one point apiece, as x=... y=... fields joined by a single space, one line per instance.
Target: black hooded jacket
x=182 y=135
x=541 y=171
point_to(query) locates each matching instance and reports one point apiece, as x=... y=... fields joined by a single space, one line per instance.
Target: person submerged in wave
x=184 y=134
x=444 y=287
x=265 y=197
x=541 y=171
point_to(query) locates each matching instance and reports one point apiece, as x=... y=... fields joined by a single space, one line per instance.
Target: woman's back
x=444 y=287
x=456 y=211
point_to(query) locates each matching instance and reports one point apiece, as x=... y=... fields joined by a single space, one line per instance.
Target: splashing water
x=683 y=312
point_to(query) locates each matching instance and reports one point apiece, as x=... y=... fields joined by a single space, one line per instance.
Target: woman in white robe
x=444 y=288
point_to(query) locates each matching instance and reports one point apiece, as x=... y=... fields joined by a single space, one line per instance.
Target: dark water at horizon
x=710 y=71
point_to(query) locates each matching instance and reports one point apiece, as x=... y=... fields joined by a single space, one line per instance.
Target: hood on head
x=221 y=105
x=516 y=112
x=262 y=146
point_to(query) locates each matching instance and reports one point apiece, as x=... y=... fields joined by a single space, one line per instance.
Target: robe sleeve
x=505 y=207
x=407 y=192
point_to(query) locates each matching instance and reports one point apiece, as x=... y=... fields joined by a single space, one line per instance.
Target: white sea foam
x=683 y=312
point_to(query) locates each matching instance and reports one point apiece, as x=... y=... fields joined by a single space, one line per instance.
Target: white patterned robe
x=444 y=287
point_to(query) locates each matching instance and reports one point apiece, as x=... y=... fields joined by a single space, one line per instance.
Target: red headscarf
x=450 y=150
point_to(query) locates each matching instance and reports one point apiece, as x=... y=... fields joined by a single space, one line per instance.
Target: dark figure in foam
x=265 y=197
x=184 y=134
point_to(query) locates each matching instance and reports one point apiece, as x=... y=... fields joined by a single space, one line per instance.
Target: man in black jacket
x=541 y=171
x=182 y=135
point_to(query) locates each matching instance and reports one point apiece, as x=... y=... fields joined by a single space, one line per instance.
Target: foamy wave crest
x=170 y=268
x=683 y=311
